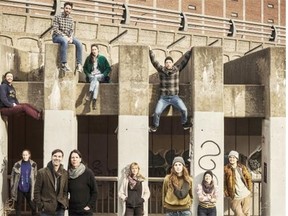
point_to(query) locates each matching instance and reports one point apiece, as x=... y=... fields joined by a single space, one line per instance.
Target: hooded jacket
x=230 y=179
x=15 y=177
x=7 y=95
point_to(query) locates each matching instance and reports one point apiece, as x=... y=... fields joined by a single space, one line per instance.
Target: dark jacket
x=83 y=192
x=7 y=95
x=45 y=195
x=230 y=179
x=102 y=65
x=15 y=177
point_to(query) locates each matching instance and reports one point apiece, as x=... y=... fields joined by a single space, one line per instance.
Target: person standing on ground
x=82 y=186
x=207 y=193
x=169 y=89
x=23 y=178
x=63 y=33
x=237 y=185
x=96 y=69
x=134 y=192
x=51 y=187
x=177 y=195
x=9 y=104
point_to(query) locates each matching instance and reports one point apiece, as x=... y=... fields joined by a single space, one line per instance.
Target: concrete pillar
x=207 y=136
x=4 y=162
x=133 y=140
x=273 y=129
x=60 y=123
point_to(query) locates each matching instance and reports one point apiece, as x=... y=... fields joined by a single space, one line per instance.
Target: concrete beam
x=239 y=100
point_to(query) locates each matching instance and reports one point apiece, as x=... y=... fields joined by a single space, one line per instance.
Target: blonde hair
x=139 y=175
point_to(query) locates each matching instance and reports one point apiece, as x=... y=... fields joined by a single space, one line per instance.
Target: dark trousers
x=201 y=211
x=18 y=204
x=21 y=108
x=137 y=211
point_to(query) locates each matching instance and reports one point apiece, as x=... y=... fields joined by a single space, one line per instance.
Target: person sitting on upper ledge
x=169 y=89
x=63 y=33
x=96 y=69
x=9 y=105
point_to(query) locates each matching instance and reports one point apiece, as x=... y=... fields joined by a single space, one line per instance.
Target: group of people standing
x=48 y=188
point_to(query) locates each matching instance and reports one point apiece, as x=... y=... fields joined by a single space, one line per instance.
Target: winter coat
x=45 y=195
x=230 y=179
x=15 y=177
x=102 y=65
x=123 y=194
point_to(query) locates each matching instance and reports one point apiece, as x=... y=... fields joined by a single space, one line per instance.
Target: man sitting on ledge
x=63 y=33
x=9 y=104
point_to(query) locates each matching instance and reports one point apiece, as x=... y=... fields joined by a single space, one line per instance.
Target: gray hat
x=178 y=159
x=234 y=153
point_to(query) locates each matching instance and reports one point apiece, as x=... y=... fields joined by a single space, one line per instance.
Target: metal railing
x=151 y=17
x=107 y=200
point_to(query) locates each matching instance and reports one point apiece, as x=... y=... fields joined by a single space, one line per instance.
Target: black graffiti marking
x=209 y=155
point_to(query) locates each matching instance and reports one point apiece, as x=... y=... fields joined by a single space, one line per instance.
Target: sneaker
x=187 y=125
x=94 y=104
x=153 y=128
x=65 y=68
x=89 y=96
x=79 y=68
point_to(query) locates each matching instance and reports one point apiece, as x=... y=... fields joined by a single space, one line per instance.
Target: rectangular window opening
x=192 y=7
x=234 y=14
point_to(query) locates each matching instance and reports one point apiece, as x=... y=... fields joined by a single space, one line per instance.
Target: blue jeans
x=179 y=213
x=201 y=211
x=94 y=84
x=64 y=46
x=57 y=213
x=165 y=101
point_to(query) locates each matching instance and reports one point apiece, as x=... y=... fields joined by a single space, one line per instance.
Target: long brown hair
x=92 y=58
x=173 y=177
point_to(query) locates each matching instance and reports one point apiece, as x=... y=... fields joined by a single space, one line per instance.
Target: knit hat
x=208 y=172
x=234 y=153
x=168 y=58
x=178 y=159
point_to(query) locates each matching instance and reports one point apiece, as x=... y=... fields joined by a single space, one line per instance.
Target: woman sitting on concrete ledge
x=9 y=105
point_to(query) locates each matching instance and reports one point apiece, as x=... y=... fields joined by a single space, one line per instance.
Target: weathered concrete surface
x=59 y=88
x=60 y=132
x=3 y=162
x=240 y=100
x=273 y=76
x=207 y=79
x=265 y=67
x=133 y=110
x=243 y=101
x=107 y=101
x=133 y=80
x=30 y=92
x=60 y=128
x=207 y=134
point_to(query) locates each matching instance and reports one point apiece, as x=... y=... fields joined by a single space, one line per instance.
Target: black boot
x=94 y=104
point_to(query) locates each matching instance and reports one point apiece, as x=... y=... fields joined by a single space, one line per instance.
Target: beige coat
x=123 y=193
